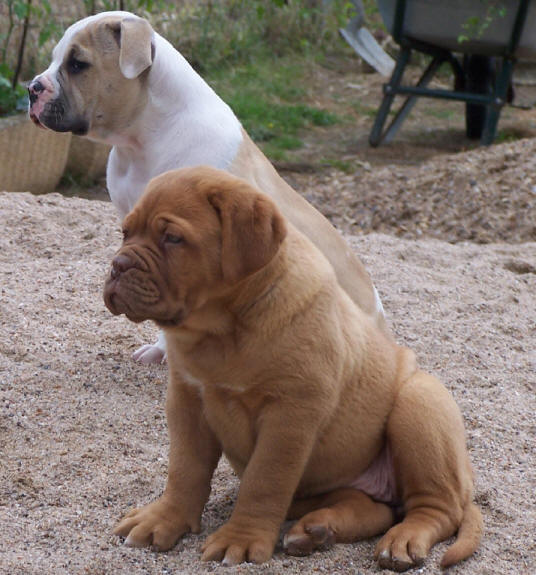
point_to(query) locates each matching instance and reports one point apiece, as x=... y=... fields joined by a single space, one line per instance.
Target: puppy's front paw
x=158 y=525
x=150 y=354
x=233 y=544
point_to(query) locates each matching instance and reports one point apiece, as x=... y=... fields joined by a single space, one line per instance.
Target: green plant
x=475 y=26
x=269 y=97
x=150 y=6
x=257 y=54
x=217 y=33
x=11 y=98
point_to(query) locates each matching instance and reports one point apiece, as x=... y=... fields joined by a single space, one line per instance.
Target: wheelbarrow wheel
x=479 y=78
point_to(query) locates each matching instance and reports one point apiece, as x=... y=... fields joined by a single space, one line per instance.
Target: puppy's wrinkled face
x=168 y=261
x=194 y=234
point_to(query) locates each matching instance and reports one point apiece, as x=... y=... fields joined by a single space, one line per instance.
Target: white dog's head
x=96 y=81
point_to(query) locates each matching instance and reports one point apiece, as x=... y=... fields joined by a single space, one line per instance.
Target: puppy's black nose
x=34 y=89
x=121 y=263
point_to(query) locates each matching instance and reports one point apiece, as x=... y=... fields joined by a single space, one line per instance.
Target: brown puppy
x=321 y=415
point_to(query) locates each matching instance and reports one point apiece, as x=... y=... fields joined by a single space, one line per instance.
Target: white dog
x=115 y=80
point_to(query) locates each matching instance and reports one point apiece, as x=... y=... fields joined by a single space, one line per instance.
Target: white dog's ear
x=135 y=47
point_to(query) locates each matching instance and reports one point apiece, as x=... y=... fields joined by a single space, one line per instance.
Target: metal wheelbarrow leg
x=500 y=94
x=376 y=135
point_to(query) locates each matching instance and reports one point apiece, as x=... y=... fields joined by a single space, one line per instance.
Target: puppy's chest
x=219 y=377
x=217 y=363
x=233 y=383
x=231 y=406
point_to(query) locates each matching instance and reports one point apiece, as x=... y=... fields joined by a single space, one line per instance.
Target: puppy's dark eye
x=172 y=239
x=75 y=66
x=125 y=234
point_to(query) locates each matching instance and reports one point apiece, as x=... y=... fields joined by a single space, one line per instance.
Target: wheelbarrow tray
x=441 y=23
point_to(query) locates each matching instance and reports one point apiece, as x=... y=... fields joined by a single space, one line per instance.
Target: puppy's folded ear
x=252 y=230
x=135 y=39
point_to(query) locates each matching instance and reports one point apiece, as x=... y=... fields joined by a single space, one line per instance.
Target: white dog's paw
x=149 y=353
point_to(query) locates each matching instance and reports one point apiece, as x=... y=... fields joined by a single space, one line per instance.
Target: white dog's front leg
x=152 y=353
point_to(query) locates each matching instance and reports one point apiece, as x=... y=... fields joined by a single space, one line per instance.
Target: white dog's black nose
x=34 y=89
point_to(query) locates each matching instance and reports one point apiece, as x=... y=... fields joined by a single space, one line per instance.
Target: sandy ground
x=82 y=429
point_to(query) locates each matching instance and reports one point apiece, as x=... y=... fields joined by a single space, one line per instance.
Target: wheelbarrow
x=482 y=66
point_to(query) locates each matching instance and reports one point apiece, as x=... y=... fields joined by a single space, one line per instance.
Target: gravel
x=82 y=430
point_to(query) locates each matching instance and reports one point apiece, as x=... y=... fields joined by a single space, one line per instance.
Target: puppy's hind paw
x=303 y=539
x=402 y=547
x=150 y=354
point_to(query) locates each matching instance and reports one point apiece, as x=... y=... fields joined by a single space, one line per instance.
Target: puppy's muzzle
x=131 y=289
x=120 y=264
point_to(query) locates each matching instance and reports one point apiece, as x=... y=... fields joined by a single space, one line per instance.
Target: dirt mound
x=486 y=195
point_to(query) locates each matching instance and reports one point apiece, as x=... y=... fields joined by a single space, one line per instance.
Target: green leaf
x=4 y=82
x=20 y=9
x=6 y=71
x=44 y=35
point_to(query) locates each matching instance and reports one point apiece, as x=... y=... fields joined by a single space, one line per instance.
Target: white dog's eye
x=172 y=239
x=75 y=66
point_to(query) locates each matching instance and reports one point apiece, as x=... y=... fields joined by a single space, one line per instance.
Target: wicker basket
x=87 y=158
x=31 y=159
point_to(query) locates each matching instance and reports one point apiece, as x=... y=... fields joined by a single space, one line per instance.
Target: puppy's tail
x=469 y=535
